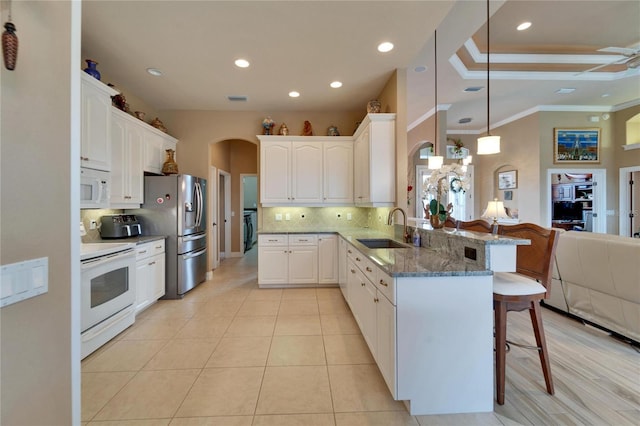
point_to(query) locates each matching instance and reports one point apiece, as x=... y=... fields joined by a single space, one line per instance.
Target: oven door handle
x=91 y=263
x=194 y=254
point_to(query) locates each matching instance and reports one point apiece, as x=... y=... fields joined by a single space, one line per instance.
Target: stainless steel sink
x=376 y=243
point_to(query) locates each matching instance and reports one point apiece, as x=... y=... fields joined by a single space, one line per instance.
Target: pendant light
x=10 y=44
x=435 y=161
x=488 y=144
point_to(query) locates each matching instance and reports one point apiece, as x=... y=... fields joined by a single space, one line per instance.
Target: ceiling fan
x=631 y=58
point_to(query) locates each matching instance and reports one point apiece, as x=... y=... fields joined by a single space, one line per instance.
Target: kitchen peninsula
x=425 y=312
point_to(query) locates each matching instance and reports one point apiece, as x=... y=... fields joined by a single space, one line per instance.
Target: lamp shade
x=488 y=145
x=495 y=210
x=435 y=162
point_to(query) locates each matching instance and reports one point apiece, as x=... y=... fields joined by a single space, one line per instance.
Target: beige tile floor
x=230 y=354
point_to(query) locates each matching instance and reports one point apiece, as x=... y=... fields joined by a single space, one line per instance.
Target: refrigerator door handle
x=194 y=237
x=198 y=204
x=194 y=254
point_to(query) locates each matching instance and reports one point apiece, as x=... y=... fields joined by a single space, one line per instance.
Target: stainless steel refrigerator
x=175 y=206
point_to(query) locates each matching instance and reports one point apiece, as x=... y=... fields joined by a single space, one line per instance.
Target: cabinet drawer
x=273 y=240
x=157 y=247
x=386 y=284
x=144 y=250
x=303 y=240
x=363 y=263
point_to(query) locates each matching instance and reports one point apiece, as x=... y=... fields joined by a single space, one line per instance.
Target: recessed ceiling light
x=523 y=26
x=420 y=68
x=605 y=95
x=385 y=47
x=565 y=90
x=473 y=89
x=154 y=71
x=294 y=94
x=336 y=84
x=241 y=63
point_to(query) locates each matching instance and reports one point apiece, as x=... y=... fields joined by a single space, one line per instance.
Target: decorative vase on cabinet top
x=373 y=107
x=170 y=167
x=91 y=69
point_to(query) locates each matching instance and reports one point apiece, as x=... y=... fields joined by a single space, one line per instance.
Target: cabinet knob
x=362 y=284
x=349 y=251
x=358 y=259
x=353 y=271
x=376 y=300
x=384 y=283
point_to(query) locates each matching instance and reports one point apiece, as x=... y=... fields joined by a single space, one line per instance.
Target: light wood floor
x=232 y=354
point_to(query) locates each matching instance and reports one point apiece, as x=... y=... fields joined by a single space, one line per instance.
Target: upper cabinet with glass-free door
x=306 y=170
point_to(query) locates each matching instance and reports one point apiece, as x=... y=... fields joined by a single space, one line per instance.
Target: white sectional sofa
x=597 y=278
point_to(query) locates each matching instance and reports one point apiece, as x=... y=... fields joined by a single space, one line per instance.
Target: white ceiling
x=305 y=45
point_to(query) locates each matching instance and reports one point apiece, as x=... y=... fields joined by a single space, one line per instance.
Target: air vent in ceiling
x=465 y=120
x=474 y=89
x=233 y=98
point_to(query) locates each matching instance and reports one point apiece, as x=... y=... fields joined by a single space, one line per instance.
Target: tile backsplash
x=87 y=215
x=302 y=218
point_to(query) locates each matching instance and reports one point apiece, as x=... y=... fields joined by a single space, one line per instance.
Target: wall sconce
x=495 y=210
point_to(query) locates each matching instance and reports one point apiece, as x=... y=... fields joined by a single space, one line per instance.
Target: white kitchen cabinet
x=328 y=259
x=375 y=161
x=150 y=274
x=306 y=170
x=306 y=173
x=343 y=268
x=303 y=259
x=156 y=144
x=386 y=340
x=127 y=177
x=273 y=260
x=337 y=173
x=95 y=141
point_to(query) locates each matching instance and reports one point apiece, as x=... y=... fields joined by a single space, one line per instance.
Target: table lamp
x=495 y=210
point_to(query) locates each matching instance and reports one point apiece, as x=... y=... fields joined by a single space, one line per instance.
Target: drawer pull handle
x=358 y=259
x=376 y=300
x=362 y=284
x=384 y=283
x=158 y=247
x=369 y=269
x=152 y=263
x=303 y=240
x=142 y=252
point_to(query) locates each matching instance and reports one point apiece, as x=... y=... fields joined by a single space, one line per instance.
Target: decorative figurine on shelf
x=333 y=131
x=170 y=167
x=267 y=126
x=307 y=130
x=120 y=102
x=284 y=130
x=158 y=125
x=373 y=107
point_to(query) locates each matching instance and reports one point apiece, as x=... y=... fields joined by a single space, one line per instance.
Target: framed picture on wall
x=508 y=195
x=508 y=180
x=576 y=145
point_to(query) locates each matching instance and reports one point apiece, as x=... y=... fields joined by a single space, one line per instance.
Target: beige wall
x=624 y=158
x=36 y=355
x=393 y=99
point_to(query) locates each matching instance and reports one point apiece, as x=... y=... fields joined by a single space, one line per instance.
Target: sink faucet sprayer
x=407 y=237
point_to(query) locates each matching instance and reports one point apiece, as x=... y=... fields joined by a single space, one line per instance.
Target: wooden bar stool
x=524 y=289
x=477 y=225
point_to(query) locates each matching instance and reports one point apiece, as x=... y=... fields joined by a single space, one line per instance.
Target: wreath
x=456 y=185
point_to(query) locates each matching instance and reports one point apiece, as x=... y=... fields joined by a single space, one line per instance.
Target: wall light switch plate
x=23 y=280
x=348 y=216
x=278 y=216
x=287 y=216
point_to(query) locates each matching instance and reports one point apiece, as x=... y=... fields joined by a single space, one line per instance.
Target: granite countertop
x=401 y=262
x=140 y=239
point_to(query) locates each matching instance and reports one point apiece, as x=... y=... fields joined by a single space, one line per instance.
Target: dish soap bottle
x=416 y=238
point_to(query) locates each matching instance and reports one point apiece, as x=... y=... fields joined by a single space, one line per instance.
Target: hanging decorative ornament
x=10 y=44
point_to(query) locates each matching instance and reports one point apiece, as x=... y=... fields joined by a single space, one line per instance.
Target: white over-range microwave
x=94 y=189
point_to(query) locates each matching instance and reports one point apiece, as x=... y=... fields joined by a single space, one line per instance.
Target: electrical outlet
x=348 y=216
x=278 y=217
x=93 y=224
